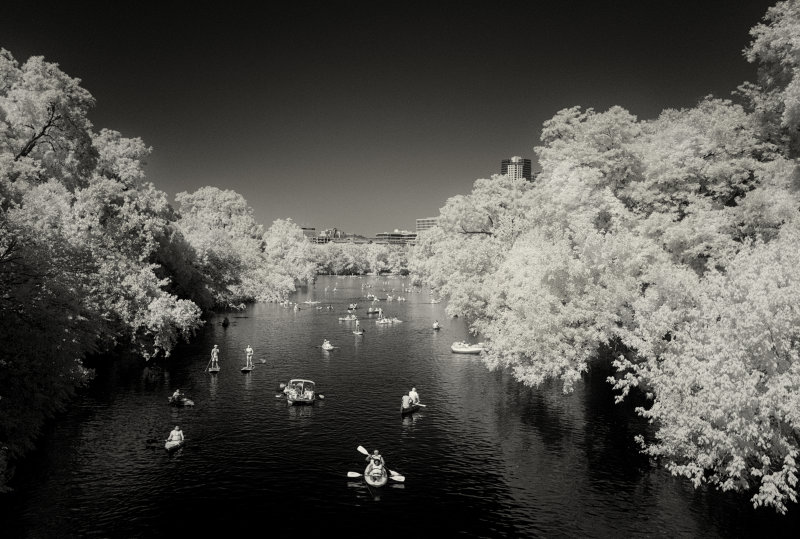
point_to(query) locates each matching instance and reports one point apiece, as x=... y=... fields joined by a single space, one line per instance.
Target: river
x=486 y=457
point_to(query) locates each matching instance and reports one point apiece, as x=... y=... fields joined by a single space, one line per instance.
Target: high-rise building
x=426 y=223
x=516 y=167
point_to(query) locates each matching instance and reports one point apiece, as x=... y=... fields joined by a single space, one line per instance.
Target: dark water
x=487 y=457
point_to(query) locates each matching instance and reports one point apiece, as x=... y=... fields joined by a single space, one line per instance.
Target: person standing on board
x=249 y=352
x=215 y=357
x=414 y=395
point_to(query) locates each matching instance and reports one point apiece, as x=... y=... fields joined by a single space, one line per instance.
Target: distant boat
x=466 y=348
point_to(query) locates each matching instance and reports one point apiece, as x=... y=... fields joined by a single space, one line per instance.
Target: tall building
x=426 y=223
x=516 y=167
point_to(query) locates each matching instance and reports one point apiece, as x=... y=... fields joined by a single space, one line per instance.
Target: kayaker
x=176 y=435
x=406 y=402
x=376 y=459
x=177 y=395
x=249 y=352
x=414 y=395
x=215 y=356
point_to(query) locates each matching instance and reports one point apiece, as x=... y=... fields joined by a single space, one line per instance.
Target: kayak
x=410 y=410
x=378 y=478
x=183 y=401
x=173 y=445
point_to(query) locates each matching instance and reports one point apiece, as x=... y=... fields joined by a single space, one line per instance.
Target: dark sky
x=366 y=116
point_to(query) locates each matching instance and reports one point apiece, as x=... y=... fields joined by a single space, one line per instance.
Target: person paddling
x=176 y=435
x=176 y=397
x=414 y=395
x=215 y=357
x=376 y=458
x=249 y=352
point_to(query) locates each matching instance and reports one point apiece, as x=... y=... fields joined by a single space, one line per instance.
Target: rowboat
x=181 y=401
x=376 y=477
x=300 y=391
x=172 y=445
x=466 y=348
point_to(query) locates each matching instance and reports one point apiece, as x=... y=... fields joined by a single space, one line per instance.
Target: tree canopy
x=671 y=241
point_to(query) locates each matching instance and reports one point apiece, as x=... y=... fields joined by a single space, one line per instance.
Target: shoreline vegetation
x=672 y=241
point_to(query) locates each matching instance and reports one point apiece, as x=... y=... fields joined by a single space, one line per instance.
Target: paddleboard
x=213 y=370
x=247 y=369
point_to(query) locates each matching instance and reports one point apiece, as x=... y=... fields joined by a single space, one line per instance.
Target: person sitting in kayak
x=376 y=459
x=177 y=395
x=406 y=402
x=413 y=395
x=176 y=435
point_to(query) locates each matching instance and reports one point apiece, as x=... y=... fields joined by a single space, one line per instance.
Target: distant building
x=516 y=167
x=426 y=223
x=398 y=237
x=309 y=232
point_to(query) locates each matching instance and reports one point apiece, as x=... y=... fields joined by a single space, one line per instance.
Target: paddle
x=209 y=364
x=422 y=405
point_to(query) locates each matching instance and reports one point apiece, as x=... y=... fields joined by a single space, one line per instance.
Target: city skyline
x=368 y=118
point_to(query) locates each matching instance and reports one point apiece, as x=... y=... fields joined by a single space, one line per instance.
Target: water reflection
x=212 y=385
x=300 y=412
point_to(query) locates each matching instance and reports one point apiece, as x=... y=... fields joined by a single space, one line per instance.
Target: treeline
x=361 y=258
x=672 y=241
x=93 y=258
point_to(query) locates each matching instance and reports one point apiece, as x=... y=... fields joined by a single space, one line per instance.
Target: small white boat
x=466 y=348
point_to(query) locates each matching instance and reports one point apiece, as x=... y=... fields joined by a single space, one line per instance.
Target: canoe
x=410 y=410
x=378 y=479
x=173 y=445
x=183 y=401
x=466 y=348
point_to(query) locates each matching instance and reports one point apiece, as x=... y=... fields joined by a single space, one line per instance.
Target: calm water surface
x=487 y=457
